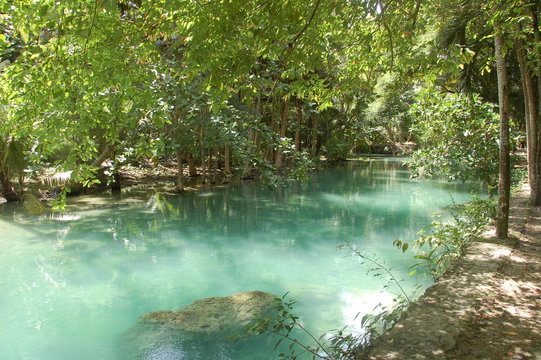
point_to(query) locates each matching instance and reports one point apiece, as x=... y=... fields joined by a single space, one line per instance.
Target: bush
x=336 y=149
x=441 y=243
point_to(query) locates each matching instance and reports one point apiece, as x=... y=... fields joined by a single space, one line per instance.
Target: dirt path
x=487 y=307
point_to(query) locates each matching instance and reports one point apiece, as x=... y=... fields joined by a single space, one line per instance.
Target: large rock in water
x=214 y=315
x=199 y=331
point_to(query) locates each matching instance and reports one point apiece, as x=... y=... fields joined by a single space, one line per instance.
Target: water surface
x=72 y=283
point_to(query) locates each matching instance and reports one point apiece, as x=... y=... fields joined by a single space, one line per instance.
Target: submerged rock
x=33 y=205
x=214 y=315
x=199 y=331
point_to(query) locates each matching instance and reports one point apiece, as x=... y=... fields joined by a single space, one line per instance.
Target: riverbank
x=487 y=306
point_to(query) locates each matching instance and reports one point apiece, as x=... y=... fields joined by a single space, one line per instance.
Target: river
x=72 y=283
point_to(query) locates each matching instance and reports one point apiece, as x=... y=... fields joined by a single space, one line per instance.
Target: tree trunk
x=313 y=139
x=8 y=192
x=532 y=119
x=247 y=172
x=227 y=161
x=536 y=193
x=269 y=155
x=180 y=171
x=107 y=151
x=502 y=221
x=283 y=128
x=216 y=165
x=203 y=167
x=104 y=155
x=298 y=127
x=212 y=173
x=192 y=169
x=203 y=157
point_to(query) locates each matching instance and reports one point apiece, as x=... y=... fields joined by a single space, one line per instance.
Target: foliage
x=377 y=268
x=442 y=242
x=287 y=326
x=114 y=82
x=458 y=135
x=388 y=114
x=138 y=80
x=519 y=175
x=336 y=149
x=59 y=202
x=382 y=317
x=301 y=165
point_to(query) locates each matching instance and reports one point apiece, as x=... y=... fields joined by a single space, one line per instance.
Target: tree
x=504 y=183
x=255 y=85
x=457 y=135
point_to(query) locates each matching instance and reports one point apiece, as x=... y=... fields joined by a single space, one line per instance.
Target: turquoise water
x=72 y=283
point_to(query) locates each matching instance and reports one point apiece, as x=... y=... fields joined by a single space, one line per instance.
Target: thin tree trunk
x=216 y=165
x=180 y=171
x=209 y=166
x=203 y=157
x=502 y=221
x=534 y=9
x=313 y=140
x=227 y=161
x=247 y=172
x=283 y=128
x=8 y=192
x=298 y=127
x=269 y=156
x=258 y=110
x=203 y=168
x=192 y=168
x=536 y=193
x=531 y=115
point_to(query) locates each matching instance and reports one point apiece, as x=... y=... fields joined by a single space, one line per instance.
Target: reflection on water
x=72 y=283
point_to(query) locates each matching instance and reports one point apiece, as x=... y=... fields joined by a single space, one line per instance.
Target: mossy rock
x=199 y=331
x=215 y=314
x=33 y=205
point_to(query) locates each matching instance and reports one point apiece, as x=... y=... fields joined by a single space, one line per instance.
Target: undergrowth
x=441 y=243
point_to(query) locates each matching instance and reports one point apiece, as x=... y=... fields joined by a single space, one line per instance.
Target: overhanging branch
x=299 y=34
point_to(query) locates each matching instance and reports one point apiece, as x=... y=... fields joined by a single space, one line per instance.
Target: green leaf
x=23 y=32
x=405 y=247
x=110 y=5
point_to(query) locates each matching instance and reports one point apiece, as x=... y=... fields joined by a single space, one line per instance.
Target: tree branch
x=415 y=15
x=299 y=34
